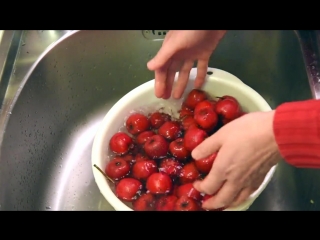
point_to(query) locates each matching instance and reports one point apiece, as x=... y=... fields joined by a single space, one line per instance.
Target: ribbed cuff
x=296 y=128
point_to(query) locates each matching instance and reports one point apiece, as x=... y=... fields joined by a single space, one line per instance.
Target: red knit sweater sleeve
x=297 y=132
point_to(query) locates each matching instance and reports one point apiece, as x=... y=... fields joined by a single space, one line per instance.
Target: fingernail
x=219 y=206
x=159 y=95
x=150 y=64
x=175 y=96
x=204 y=207
x=194 y=154
x=196 y=183
x=166 y=96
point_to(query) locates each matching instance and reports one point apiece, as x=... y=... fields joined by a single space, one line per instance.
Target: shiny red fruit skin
x=146 y=202
x=194 y=97
x=206 y=118
x=157 y=119
x=204 y=165
x=206 y=197
x=117 y=168
x=193 y=137
x=170 y=166
x=228 y=109
x=135 y=150
x=156 y=147
x=121 y=143
x=128 y=189
x=170 y=130
x=166 y=203
x=159 y=183
x=213 y=102
x=143 y=137
x=128 y=158
x=228 y=97
x=185 y=112
x=137 y=123
x=188 y=122
x=174 y=189
x=226 y=121
x=178 y=150
x=143 y=169
x=204 y=104
x=189 y=173
x=140 y=157
x=189 y=191
x=184 y=203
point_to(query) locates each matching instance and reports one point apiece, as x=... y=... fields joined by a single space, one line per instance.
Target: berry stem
x=185 y=116
x=99 y=169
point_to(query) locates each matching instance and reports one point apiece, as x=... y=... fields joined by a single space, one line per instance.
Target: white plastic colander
x=217 y=84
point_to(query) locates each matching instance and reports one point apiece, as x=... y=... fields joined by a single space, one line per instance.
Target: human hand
x=247 y=150
x=179 y=51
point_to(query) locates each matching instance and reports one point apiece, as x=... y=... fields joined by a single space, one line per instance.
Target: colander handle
x=213 y=73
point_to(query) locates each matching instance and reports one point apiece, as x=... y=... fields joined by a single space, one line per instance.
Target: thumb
x=162 y=57
x=210 y=145
x=214 y=180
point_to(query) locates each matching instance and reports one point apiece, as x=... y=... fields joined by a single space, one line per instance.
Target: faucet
x=310 y=47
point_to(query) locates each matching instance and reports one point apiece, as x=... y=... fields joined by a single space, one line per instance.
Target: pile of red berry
x=153 y=168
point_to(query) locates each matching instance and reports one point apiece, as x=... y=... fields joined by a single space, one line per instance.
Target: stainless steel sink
x=54 y=98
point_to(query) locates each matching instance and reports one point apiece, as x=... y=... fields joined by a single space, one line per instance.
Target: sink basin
x=49 y=127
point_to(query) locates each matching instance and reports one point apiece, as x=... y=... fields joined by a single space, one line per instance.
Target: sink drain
x=154 y=34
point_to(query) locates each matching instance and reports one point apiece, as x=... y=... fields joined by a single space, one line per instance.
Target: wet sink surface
x=46 y=149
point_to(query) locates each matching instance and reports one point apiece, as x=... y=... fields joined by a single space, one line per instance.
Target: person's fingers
x=223 y=198
x=162 y=58
x=202 y=68
x=183 y=79
x=211 y=183
x=171 y=73
x=160 y=82
x=242 y=196
x=167 y=37
x=208 y=146
x=217 y=176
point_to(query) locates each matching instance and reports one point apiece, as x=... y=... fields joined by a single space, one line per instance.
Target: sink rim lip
x=35 y=64
x=5 y=117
